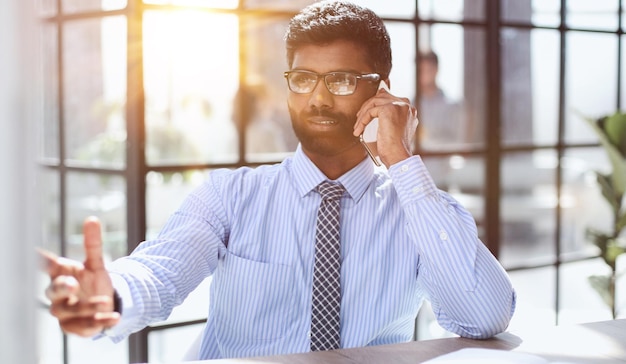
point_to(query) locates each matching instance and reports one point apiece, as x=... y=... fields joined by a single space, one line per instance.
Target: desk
x=591 y=343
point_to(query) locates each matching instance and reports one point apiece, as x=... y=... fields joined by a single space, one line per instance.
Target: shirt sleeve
x=469 y=290
x=160 y=273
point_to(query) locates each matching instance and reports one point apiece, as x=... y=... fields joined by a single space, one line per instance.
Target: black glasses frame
x=370 y=77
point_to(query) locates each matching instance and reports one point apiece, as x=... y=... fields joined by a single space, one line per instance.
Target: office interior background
x=130 y=103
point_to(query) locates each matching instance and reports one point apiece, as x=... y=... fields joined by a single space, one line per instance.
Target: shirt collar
x=307 y=176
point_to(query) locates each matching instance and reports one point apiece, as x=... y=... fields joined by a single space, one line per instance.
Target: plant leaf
x=615 y=129
x=621 y=222
x=608 y=190
x=601 y=285
x=613 y=250
x=617 y=160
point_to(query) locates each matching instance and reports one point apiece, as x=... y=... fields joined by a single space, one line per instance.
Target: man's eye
x=302 y=79
x=340 y=82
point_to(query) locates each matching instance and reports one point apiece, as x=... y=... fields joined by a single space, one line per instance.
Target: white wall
x=18 y=221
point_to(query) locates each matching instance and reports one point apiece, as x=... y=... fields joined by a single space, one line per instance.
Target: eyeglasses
x=337 y=83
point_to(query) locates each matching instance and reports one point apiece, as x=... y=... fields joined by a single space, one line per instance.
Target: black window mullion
x=492 y=130
x=61 y=170
x=136 y=168
x=560 y=152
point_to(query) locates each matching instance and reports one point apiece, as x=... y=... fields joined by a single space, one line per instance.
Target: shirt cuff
x=412 y=179
x=128 y=308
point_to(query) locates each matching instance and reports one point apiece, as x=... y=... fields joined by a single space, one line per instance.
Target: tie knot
x=330 y=190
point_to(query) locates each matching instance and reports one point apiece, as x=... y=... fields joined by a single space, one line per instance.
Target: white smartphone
x=371 y=131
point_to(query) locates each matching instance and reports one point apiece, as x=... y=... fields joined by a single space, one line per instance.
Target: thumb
x=93 y=244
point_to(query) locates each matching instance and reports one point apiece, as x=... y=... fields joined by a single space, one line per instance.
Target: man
x=254 y=230
x=444 y=122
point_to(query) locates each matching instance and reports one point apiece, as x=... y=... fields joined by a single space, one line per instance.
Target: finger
x=364 y=118
x=100 y=306
x=48 y=261
x=63 y=289
x=93 y=244
x=89 y=326
x=56 y=266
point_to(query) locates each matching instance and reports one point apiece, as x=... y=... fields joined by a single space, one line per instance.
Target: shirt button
x=443 y=235
x=404 y=168
x=418 y=189
x=309 y=334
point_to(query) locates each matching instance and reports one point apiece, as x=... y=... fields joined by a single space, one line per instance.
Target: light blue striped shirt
x=402 y=241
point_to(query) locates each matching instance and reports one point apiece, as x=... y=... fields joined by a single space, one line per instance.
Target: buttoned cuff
x=127 y=308
x=412 y=180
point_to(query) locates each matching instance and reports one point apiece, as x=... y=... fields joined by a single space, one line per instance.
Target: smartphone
x=371 y=130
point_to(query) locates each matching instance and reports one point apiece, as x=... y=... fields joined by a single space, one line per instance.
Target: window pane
x=223 y=4
x=260 y=104
x=49 y=207
x=536 y=294
x=101 y=196
x=527 y=208
x=623 y=14
x=530 y=86
x=537 y=12
x=94 y=78
x=464 y=178
x=396 y=8
x=454 y=10
x=189 y=88
x=75 y=6
x=291 y=5
x=49 y=113
x=171 y=345
x=452 y=91
x=402 y=77
x=597 y=14
x=165 y=192
x=46 y=7
x=582 y=202
x=591 y=81
x=579 y=301
x=104 y=351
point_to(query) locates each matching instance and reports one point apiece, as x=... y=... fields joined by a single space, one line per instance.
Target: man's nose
x=320 y=97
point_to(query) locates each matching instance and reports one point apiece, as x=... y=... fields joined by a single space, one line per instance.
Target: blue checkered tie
x=326 y=285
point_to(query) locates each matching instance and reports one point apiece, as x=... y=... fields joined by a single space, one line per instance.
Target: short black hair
x=328 y=21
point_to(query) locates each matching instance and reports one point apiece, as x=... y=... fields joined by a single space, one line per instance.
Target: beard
x=324 y=143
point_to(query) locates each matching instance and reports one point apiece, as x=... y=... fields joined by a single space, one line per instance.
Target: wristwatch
x=117 y=302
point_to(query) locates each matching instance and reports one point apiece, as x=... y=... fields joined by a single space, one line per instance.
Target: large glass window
x=141 y=98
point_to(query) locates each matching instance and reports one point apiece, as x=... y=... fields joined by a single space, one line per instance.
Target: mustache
x=324 y=113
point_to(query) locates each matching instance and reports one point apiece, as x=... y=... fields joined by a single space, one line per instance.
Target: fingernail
x=72 y=300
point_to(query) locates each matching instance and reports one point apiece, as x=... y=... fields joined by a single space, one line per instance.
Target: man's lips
x=322 y=120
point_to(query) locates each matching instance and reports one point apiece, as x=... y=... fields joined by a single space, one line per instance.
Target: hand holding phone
x=371 y=131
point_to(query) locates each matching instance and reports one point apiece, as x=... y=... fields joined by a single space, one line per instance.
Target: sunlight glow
x=223 y=4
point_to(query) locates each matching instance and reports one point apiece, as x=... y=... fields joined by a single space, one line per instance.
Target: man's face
x=428 y=74
x=324 y=122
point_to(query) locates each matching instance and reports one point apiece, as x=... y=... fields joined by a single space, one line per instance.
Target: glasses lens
x=302 y=82
x=340 y=83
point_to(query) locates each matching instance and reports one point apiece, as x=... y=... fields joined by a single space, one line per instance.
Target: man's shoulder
x=250 y=175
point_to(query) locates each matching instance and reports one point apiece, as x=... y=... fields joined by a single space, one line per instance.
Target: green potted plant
x=611 y=131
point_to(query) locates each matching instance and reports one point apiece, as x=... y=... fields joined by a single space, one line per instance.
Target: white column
x=19 y=223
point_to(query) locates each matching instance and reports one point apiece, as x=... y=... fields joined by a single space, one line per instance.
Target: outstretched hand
x=81 y=294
